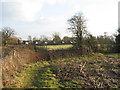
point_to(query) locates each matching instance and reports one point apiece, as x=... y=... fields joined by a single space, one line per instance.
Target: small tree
x=66 y=39
x=34 y=40
x=43 y=38
x=56 y=38
x=78 y=28
x=7 y=33
x=106 y=43
x=29 y=38
x=117 y=39
x=92 y=43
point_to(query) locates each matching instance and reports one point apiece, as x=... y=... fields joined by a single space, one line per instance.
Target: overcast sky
x=44 y=17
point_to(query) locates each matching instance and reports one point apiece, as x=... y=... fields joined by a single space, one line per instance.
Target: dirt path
x=45 y=78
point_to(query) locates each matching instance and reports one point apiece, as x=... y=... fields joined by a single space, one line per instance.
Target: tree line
x=55 y=40
x=85 y=40
x=81 y=39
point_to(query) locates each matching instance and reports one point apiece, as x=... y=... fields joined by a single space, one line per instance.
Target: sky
x=45 y=17
x=119 y=14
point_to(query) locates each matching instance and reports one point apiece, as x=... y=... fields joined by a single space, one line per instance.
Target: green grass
x=57 y=47
x=113 y=55
x=27 y=77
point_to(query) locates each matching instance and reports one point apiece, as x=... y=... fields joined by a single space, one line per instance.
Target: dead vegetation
x=14 y=63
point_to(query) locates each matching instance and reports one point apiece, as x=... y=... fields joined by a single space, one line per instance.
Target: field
x=56 y=47
x=97 y=71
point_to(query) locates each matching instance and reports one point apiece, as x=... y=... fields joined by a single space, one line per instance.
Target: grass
x=57 y=47
x=96 y=71
x=113 y=55
x=29 y=77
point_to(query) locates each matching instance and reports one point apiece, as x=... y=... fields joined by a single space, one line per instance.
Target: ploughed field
x=96 y=71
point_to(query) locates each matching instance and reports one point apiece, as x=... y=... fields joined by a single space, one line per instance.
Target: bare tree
x=29 y=38
x=78 y=28
x=34 y=38
x=43 y=38
x=7 y=32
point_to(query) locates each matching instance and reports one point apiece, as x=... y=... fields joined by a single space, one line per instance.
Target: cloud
x=51 y=1
x=29 y=10
x=23 y=10
x=26 y=10
x=46 y=20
